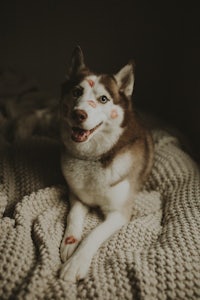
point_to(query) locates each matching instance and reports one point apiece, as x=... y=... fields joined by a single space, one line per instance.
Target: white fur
x=92 y=184
x=106 y=135
x=95 y=185
x=102 y=112
x=75 y=221
x=77 y=266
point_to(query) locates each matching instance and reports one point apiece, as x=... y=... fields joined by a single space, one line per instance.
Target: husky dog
x=107 y=155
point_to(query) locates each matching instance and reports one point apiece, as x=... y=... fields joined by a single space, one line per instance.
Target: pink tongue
x=79 y=135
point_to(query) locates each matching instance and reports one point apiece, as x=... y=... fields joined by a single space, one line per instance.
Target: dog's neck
x=92 y=150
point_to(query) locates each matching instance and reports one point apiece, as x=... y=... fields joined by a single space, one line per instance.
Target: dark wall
x=37 y=39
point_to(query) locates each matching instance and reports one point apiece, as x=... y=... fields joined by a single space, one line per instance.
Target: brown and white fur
x=107 y=155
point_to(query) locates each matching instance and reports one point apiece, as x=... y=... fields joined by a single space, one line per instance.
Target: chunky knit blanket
x=155 y=256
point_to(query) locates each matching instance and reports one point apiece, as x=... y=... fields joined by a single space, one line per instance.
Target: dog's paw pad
x=68 y=246
x=70 y=240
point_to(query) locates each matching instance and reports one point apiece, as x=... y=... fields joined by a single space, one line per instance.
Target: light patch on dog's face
x=114 y=114
x=92 y=103
x=90 y=82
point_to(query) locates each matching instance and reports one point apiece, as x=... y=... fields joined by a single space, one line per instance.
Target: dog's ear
x=77 y=62
x=125 y=79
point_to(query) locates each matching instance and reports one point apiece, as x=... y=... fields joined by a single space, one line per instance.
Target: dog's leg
x=77 y=266
x=73 y=232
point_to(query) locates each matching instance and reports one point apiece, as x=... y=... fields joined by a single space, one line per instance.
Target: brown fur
x=135 y=136
x=139 y=140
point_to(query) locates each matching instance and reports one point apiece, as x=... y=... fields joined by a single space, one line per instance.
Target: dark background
x=38 y=37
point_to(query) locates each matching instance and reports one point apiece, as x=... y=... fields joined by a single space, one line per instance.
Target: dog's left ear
x=77 y=62
x=125 y=79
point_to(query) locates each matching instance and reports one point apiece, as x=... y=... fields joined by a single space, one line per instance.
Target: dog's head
x=94 y=108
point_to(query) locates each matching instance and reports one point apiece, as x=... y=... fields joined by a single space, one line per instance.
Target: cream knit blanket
x=156 y=256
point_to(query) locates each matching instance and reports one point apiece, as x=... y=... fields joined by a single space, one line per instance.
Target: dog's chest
x=85 y=175
x=96 y=185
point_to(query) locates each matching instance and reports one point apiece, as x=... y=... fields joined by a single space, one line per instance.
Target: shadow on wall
x=37 y=39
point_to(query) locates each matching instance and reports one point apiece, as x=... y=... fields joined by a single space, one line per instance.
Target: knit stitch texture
x=155 y=256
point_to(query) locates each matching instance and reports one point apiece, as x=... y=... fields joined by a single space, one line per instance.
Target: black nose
x=79 y=115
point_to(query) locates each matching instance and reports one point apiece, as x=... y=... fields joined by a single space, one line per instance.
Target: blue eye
x=103 y=99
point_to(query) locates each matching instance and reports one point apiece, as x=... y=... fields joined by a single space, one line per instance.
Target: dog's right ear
x=77 y=62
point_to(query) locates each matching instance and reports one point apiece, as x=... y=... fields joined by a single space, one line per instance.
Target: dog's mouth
x=81 y=135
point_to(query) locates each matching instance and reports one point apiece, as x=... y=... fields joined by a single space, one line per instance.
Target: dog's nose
x=79 y=115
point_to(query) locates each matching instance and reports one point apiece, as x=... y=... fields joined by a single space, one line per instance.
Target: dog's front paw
x=75 y=268
x=68 y=246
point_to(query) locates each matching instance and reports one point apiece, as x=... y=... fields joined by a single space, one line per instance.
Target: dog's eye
x=103 y=99
x=77 y=92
